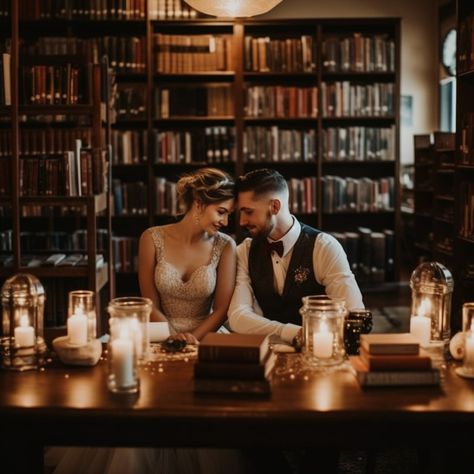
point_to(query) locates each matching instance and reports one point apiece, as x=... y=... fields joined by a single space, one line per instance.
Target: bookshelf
x=464 y=162
x=58 y=157
x=317 y=99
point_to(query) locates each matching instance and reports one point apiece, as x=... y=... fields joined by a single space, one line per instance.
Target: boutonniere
x=301 y=274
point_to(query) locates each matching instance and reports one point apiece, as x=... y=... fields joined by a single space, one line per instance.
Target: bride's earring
x=197 y=218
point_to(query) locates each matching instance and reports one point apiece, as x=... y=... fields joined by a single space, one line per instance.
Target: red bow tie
x=277 y=247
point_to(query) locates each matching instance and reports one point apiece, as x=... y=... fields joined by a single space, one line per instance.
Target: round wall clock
x=448 y=52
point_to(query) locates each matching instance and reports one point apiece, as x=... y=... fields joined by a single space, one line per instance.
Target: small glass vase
x=82 y=319
x=323 y=330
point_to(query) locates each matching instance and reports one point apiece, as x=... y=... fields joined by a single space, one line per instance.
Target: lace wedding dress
x=186 y=304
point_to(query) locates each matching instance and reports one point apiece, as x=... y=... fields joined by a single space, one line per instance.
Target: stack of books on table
x=393 y=359
x=237 y=364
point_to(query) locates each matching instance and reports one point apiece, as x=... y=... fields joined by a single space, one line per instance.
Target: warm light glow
x=233 y=8
x=24 y=322
x=425 y=307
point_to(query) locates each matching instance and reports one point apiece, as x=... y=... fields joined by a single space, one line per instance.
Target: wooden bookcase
x=464 y=165
x=201 y=90
x=49 y=104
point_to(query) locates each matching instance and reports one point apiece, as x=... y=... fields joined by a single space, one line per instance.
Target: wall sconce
x=431 y=285
x=22 y=343
x=233 y=8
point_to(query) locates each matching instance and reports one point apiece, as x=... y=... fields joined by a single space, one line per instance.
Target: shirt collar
x=290 y=238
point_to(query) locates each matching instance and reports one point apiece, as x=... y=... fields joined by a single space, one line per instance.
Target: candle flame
x=24 y=322
x=425 y=307
x=323 y=328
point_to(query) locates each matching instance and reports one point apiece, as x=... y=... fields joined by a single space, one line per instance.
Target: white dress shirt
x=331 y=270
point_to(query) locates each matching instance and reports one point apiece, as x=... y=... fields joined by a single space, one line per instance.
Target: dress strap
x=157 y=237
x=220 y=241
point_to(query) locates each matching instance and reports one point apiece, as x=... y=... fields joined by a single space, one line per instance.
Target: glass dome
x=432 y=277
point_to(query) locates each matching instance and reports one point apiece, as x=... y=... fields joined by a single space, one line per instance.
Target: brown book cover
x=236 y=370
x=396 y=362
x=248 y=348
x=238 y=387
x=396 y=343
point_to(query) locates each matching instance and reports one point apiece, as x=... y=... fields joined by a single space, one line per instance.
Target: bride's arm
x=146 y=275
x=224 y=289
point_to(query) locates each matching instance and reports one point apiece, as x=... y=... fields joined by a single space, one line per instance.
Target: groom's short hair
x=261 y=181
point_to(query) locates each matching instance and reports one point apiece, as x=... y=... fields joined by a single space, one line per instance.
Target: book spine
x=375 y=379
x=229 y=354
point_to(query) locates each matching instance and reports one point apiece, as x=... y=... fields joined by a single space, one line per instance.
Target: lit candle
x=469 y=348
x=122 y=360
x=77 y=325
x=138 y=337
x=420 y=324
x=24 y=333
x=322 y=342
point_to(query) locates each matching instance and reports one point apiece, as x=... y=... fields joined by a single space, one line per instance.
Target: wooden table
x=72 y=406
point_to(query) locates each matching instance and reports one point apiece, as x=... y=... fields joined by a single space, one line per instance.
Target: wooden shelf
x=99 y=201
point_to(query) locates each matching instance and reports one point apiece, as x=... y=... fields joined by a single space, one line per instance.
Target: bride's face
x=215 y=216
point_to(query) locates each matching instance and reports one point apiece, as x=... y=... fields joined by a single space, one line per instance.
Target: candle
x=322 y=342
x=24 y=333
x=420 y=324
x=77 y=326
x=122 y=360
x=138 y=337
x=469 y=348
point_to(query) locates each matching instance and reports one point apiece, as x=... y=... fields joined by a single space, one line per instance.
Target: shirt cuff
x=289 y=331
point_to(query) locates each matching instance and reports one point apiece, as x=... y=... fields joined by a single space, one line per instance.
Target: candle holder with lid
x=431 y=285
x=22 y=342
x=323 y=330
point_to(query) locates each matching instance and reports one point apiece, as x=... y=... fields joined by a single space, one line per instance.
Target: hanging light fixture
x=233 y=8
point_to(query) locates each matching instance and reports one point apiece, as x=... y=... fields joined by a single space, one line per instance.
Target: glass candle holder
x=82 y=319
x=358 y=321
x=468 y=331
x=122 y=352
x=432 y=287
x=323 y=330
x=140 y=309
x=22 y=342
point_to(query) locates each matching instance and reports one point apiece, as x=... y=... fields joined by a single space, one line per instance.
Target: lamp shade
x=233 y=8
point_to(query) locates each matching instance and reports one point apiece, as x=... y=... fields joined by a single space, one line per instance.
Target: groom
x=282 y=262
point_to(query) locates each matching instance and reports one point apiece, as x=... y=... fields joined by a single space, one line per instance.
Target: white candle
x=24 y=333
x=322 y=342
x=138 y=337
x=469 y=348
x=420 y=323
x=122 y=361
x=77 y=326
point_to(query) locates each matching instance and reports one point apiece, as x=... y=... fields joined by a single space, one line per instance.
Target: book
x=236 y=370
x=396 y=343
x=232 y=386
x=395 y=362
x=367 y=378
x=247 y=348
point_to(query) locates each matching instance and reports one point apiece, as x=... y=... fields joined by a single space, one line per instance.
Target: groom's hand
x=186 y=336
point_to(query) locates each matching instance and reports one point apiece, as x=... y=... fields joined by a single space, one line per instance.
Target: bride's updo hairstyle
x=206 y=185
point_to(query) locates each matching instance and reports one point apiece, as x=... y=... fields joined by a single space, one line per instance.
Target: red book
x=396 y=362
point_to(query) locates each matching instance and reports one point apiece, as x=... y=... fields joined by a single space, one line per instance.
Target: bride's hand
x=186 y=336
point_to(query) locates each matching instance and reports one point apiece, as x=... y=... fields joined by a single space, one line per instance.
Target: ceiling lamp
x=233 y=8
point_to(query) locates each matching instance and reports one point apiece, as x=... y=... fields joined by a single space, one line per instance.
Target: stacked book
x=237 y=364
x=393 y=359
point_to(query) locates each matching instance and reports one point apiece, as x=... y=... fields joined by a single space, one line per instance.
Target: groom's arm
x=245 y=314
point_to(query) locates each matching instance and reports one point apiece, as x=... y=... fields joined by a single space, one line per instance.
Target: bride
x=188 y=271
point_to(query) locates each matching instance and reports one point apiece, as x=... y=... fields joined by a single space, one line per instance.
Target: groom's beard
x=266 y=229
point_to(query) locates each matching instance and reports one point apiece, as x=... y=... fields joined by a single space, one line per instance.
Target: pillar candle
x=322 y=342
x=138 y=337
x=77 y=328
x=420 y=327
x=24 y=333
x=122 y=362
x=469 y=349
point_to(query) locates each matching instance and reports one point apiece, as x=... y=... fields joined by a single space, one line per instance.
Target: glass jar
x=323 y=330
x=141 y=309
x=22 y=342
x=432 y=285
x=358 y=321
x=82 y=320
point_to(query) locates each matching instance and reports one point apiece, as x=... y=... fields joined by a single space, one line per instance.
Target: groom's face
x=255 y=213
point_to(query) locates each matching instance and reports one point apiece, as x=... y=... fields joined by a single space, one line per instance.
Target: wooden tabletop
x=70 y=405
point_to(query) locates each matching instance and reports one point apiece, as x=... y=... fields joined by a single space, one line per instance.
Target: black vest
x=300 y=280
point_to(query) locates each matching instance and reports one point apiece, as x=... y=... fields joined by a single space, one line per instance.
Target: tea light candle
x=322 y=342
x=77 y=326
x=420 y=324
x=469 y=348
x=122 y=360
x=24 y=333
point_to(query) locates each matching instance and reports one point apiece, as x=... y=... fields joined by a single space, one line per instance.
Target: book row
x=5 y=79
x=346 y=99
x=52 y=260
x=341 y=194
x=83 y=9
x=466 y=229
x=192 y=53
x=209 y=145
x=359 y=143
x=129 y=199
x=359 y=53
x=129 y=147
x=465 y=43
x=125 y=53
x=265 y=54
x=467 y=139
x=171 y=10
x=125 y=252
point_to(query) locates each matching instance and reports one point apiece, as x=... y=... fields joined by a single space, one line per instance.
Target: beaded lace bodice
x=186 y=303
